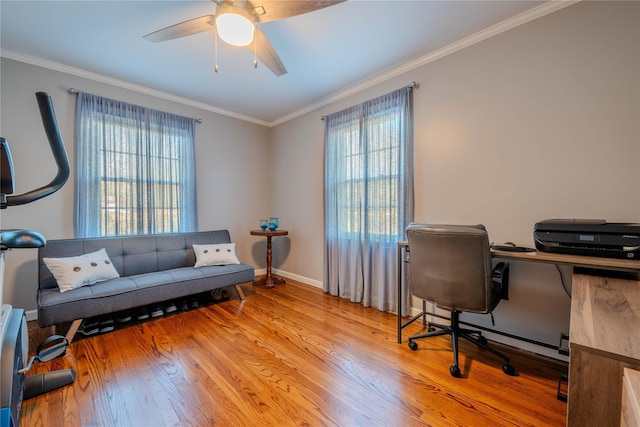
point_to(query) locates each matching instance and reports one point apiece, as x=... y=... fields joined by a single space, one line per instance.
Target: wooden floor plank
x=289 y=355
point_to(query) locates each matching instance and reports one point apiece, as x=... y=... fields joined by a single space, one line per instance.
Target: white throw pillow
x=74 y=272
x=220 y=254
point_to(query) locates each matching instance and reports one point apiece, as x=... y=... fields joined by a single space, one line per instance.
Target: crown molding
x=499 y=28
x=9 y=54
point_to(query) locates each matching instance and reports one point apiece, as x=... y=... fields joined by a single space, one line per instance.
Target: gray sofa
x=152 y=268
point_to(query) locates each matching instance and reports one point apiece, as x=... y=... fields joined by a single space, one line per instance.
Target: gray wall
x=232 y=175
x=538 y=122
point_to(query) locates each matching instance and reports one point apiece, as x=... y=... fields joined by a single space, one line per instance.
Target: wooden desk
x=609 y=264
x=604 y=331
x=269 y=280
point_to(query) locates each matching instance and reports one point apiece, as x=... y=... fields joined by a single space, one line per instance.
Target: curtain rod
x=412 y=85
x=72 y=91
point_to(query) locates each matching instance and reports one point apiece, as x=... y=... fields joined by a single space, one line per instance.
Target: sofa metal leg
x=240 y=292
x=75 y=325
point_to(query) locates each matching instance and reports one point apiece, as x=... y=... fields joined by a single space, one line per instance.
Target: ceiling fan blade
x=280 y=9
x=267 y=54
x=186 y=28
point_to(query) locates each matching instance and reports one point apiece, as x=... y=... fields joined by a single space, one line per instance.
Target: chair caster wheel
x=454 y=371
x=413 y=345
x=431 y=329
x=508 y=369
x=482 y=340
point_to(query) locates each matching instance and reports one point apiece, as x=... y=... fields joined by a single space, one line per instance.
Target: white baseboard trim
x=31 y=315
x=296 y=277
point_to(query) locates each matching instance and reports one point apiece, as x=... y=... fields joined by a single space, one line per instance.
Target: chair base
x=457 y=332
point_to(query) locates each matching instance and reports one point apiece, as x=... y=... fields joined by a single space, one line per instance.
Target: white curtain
x=135 y=169
x=368 y=198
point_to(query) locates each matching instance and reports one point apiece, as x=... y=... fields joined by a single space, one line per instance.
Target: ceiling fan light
x=234 y=25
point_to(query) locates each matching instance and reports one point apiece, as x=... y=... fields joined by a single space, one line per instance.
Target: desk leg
x=399 y=284
x=422 y=315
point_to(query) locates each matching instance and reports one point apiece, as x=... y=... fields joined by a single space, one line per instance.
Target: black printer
x=588 y=237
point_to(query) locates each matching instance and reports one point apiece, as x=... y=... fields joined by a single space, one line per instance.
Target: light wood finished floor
x=290 y=355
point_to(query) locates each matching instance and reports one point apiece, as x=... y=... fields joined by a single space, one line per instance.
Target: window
x=369 y=172
x=135 y=169
x=368 y=196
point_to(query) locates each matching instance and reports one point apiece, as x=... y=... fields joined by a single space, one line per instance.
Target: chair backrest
x=450 y=265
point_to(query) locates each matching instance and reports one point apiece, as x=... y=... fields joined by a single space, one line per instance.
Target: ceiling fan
x=236 y=22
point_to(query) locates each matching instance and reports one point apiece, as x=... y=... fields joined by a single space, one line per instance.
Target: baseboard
x=296 y=277
x=31 y=314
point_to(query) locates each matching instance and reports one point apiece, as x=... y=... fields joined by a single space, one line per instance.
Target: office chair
x=450 y=265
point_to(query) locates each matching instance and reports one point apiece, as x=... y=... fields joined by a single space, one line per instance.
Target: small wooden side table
x=269 y=280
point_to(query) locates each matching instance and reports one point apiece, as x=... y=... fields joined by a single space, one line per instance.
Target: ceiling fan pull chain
x=255 y=53
x=215 y=35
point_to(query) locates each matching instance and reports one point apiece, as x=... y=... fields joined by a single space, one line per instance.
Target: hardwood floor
x=290 y=355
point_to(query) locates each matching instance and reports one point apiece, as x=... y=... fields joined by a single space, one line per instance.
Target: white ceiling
x=326 y=52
